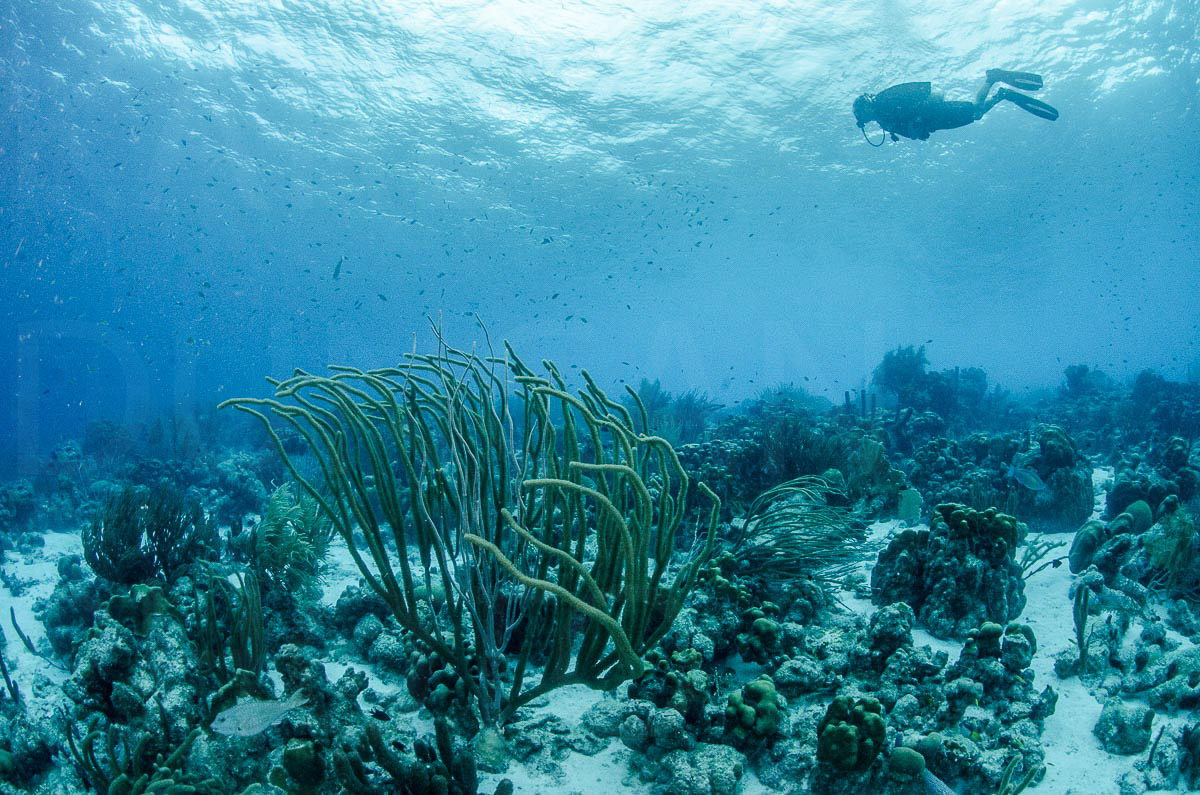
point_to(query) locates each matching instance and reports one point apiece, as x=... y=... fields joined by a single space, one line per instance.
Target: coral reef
x=1066 y=501
x=957 y=574
x=1124 y=728
x=291 y=542
x=1132 y=556
x=144 y=534
x=501 y=538
x=67 y=613
x=600 y=497
x=851 y=734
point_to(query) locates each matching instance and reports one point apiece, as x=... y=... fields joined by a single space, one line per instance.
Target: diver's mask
x=862 y=109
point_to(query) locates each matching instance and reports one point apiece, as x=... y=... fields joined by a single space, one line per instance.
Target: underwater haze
x=846 y=440
x=198 y=193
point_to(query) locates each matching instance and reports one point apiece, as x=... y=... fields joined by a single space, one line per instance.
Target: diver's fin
x=1024 y=80
x=1028 y=103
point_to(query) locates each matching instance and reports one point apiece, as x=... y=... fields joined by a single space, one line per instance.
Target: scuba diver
x=914 y=110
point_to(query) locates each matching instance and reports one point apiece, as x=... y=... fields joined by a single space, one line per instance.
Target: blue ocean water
x=198 y=193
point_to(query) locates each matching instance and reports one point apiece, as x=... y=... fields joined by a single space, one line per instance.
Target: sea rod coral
x=546 y=521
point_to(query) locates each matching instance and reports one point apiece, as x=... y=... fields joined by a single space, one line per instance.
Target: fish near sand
x=934 y=785
x=255 y=717
x=1026 y=477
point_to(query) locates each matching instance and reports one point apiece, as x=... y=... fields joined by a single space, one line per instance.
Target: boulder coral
x=1067 y=500
x=851 y=734
x=957 y=574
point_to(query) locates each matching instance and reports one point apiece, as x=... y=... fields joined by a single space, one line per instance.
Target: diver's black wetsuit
x=911 y=110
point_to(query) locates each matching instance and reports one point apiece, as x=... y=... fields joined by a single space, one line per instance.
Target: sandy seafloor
x=1075 y=762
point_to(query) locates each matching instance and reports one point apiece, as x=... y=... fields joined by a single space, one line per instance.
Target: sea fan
x=790 y=531
x=291 y=542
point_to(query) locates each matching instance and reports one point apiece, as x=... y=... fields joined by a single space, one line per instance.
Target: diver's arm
x=910 y=126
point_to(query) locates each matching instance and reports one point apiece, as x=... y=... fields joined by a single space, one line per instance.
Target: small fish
x=337 y=271
x=255 y=717
x=934 y=785
x=1026 y=477
x=379 y=714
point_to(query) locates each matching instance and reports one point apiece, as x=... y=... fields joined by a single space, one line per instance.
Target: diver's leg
x=982 y=103
x=982 y=93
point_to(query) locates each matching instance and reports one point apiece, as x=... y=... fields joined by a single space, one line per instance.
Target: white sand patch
x=385 y=684
x=608 y=771
x=879 y=535
x=340 y=572
x=1075 y=762
x=37 y=572
x=587 y=774
x=584 y=774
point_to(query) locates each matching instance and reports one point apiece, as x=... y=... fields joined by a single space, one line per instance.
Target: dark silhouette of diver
x=914 y=110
